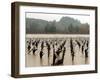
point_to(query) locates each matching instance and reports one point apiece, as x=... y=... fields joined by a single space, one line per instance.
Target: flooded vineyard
x=56 y=51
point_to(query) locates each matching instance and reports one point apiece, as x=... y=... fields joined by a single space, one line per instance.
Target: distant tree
x=50 y=27
x=70 y=28
x=65 y=31
x=33 y=27
x=47 y=27
x=53 y=27
x=76 y=29
x=84 y=28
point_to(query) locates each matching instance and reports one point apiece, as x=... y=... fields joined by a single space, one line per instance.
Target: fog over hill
x=66 y=25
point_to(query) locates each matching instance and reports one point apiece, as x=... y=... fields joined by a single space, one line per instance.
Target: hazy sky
x=57 y=17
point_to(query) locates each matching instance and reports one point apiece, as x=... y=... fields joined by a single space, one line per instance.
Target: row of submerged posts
x=58 y=48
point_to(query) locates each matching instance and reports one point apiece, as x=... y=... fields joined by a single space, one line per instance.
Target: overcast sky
x=57 y=17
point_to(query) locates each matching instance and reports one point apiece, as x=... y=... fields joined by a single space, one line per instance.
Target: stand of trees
x=66 y=25
x=50 y=28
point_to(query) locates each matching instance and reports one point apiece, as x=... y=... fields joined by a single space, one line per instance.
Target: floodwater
x=80 y=57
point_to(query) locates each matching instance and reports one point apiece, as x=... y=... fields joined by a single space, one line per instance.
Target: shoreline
x=55 y=35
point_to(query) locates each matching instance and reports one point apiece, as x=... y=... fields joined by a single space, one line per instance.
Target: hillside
x=65 y=25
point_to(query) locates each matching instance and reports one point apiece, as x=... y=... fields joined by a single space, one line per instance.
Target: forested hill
x=65 y=25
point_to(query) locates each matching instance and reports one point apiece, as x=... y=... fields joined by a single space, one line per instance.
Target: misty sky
x=57 y=17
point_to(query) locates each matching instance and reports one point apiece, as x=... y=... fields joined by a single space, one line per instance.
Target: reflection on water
x=56 y=51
